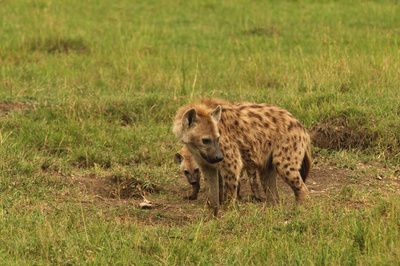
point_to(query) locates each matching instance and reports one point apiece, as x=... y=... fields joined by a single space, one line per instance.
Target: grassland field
x=88 y=92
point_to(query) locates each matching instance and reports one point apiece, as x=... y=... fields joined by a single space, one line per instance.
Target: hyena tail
x=305 y=165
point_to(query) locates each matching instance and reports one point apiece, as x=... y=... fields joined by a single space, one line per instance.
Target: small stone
x=145 y=204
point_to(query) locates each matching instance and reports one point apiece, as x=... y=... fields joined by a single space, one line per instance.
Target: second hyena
x=191 y=171
x=227 y=138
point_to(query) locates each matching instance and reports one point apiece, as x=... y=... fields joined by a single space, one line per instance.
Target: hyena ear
x=178 y=158
x=216 y=114
x=189 y=118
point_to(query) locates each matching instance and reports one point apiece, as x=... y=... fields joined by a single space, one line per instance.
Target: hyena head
x=188 y=166
x=198 y=130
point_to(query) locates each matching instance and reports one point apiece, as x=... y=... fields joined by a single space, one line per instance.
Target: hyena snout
x=214 y=157
x=193 y=179
x=219 y=157
x=193 y=182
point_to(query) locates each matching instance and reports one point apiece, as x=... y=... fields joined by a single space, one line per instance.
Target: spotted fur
x=227 y=138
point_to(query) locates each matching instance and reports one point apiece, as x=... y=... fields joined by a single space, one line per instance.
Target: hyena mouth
x=204 y=157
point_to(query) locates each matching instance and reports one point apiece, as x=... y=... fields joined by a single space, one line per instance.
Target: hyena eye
x=186 y=172
x=206 y=141
x=196 y=170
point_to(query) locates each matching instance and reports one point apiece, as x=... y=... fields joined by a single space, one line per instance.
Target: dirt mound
x=59 y=45
x=115 y=187
x=338 y=134
x=6 y=107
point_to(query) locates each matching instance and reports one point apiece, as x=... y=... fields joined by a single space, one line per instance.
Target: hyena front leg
x=212 y=179
x=221 y=188
x=231 y=184
x=195 y=191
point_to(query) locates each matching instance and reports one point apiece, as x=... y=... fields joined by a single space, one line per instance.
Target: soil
x=6 y=107
x=169 y=206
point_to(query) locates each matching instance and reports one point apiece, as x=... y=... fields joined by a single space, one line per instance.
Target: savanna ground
x=88 y=91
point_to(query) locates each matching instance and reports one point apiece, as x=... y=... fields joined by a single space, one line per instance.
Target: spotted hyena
x=191 y=171
x=226 y=138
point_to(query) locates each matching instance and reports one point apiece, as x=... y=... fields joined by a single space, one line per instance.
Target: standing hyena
x=191 y=170
x=225 y=138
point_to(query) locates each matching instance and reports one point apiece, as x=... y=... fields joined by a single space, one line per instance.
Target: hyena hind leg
x=293 y=178
x=256 y=186
x=268 y=181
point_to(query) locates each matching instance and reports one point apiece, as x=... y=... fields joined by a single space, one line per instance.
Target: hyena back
x=190 y=169
x=226 y=138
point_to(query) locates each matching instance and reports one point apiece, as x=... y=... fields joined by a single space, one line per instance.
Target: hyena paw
x=191 y=197
x=257 y=199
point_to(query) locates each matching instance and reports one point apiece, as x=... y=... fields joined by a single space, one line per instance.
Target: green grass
x=102 y=81
x=319 y=234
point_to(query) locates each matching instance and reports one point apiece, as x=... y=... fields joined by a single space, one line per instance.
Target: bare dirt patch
x=113 y=187
x=6 y=107
x=169 y=208
x=262 y=31
x=59 y=45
